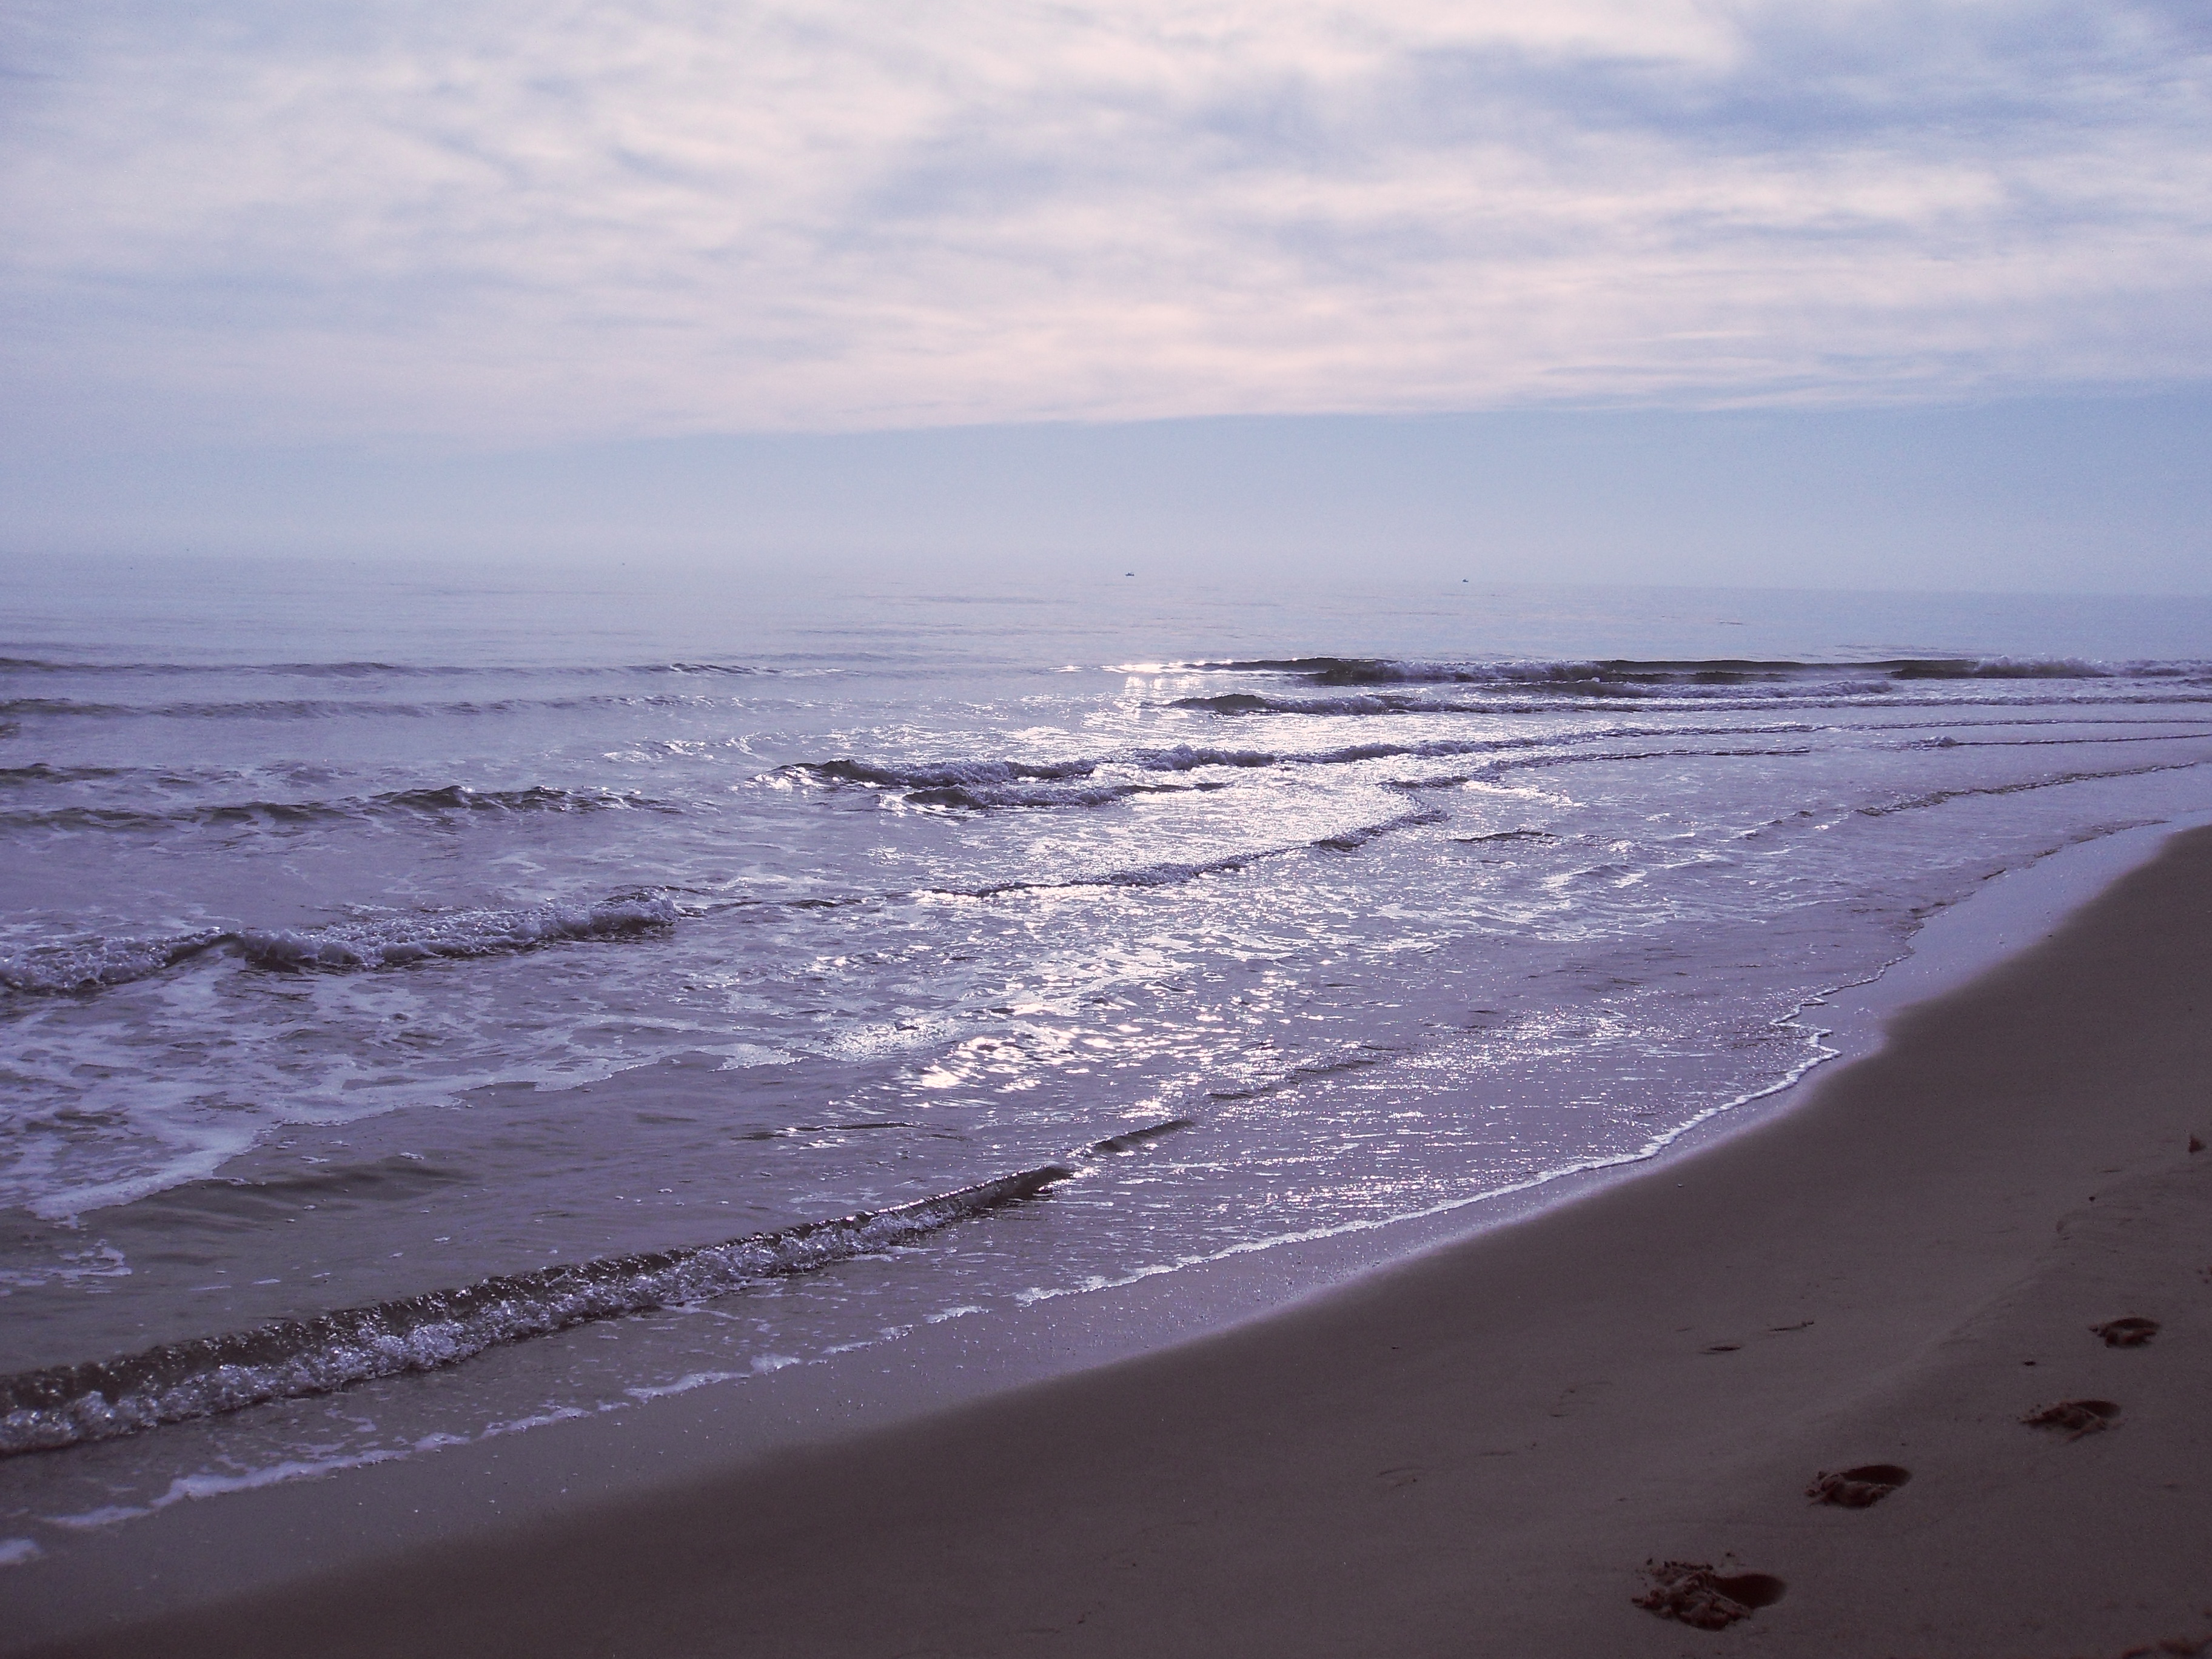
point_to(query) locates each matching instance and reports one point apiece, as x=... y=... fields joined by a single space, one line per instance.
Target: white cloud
x=503 y=221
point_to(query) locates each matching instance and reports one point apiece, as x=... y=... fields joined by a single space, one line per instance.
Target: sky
x=1845 y=292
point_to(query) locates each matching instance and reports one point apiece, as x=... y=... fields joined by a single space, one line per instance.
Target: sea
x=438 y=1000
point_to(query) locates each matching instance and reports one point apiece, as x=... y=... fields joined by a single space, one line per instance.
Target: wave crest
x=444 y=802
x=286 y=1358
x=396 y=941
x=93 y=965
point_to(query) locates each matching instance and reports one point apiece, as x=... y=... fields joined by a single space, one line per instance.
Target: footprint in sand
x=2077 y=1417
x=1858 y=1488
x=1694 y=1593
x=2129 y=1332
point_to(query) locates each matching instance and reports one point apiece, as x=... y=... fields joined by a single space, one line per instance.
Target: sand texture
x=1479 y=1453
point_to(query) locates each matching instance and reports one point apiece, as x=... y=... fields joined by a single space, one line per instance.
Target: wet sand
x=1477 y=1452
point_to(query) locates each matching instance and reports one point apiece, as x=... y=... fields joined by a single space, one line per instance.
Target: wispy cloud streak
x=504 y=222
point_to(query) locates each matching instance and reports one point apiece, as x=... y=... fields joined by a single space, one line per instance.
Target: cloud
x=505 y=222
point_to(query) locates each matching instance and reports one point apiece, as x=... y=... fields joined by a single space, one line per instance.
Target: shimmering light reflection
x=1378 y=939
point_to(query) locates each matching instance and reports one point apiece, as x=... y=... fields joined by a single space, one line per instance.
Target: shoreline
x=626 y=1464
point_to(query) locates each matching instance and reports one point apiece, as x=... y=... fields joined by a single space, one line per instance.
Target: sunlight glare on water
x=367 y=937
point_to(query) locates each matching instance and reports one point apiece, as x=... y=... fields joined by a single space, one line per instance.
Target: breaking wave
x=1174 y=873
x=381 y=942
x=399 y=941
x=944 y=774
x=983 y=798
x=985 y=784
x=1597 y=676
x=286 y=1358
x=91 y=965
x=1942 y=797
x=449 y=801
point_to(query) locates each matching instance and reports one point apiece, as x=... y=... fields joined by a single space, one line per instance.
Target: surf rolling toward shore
x=414 y=1035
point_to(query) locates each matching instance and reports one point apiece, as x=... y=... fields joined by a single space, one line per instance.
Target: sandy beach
x=1479 y=1453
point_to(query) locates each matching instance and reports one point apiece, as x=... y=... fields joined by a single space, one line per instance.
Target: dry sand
x=1477 y=1452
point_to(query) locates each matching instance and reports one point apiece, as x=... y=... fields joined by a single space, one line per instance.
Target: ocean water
x=437 y=1002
